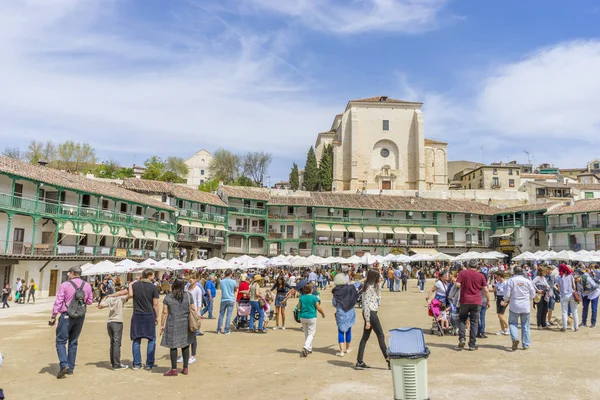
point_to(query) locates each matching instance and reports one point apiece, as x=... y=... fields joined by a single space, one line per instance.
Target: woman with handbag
x=257 y=304
x=569 y=297
x=542 y=298
x=175 y=325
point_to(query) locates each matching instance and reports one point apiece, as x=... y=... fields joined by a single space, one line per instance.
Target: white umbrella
x=251 y=264
x=217 y=263
x=85 y=267
x=421 y=257
x=301 y=262
x=442 y=257
x=563 y=256
x=526 y=256
x=173 y=265
x=333 y=260
x=279 y=261
x=261 y=259
x=586 y=257
x=369 y=259
x=548 y=256
x=127 y=265
x=197 y=263
x=103 y=267
x=497 y=254
x=469 y=255
x=390 y=257
x=352 y=260
x=148 y=263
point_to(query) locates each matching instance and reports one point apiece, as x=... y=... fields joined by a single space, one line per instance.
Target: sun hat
x=257 y=277
x=339 y=280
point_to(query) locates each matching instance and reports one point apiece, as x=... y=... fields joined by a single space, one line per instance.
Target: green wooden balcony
x=202 y=216
x=68 y=211
x=259 y=212
x=401 y=222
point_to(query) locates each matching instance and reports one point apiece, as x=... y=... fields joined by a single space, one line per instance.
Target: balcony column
x=12 y=191
x=9 y=217
x=57 y=222
x=585 y=240
x=33 y=232
x=37 y=196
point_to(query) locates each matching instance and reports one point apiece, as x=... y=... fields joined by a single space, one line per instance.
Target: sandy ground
x=248 y=366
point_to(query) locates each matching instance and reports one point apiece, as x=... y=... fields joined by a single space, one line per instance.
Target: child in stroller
x=241 y=320
x=440 y=324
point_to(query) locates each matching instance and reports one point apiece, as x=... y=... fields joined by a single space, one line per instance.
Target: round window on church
x=384 y=153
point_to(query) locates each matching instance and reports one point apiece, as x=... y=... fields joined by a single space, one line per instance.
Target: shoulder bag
x=194 y=321
x=576 y=294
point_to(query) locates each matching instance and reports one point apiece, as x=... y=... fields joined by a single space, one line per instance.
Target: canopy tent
x=217 y=263
x=352 y=260
x=421 y=257
x=301 y=262
x=526 y=256
x=127 y=265
x=369 y=259
x=103 y=267
x=148 y=263
x=261 y=259
x=279 y=261
x=197 y=263
x=173 y=265
x=316 y=260
x=442 y=257
x=252 y=264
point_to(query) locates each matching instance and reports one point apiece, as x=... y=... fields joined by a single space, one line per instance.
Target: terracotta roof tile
x=55 y=177
x=178 y=191
x=244 y=192
x=529 y=207
x=585 y=186
x=581 y=206
x=431 y=141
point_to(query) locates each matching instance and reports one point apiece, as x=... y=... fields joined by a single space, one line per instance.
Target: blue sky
x=142 y=77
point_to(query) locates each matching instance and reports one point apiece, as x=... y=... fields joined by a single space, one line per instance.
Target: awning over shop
x=68 y=229
x=496 y=234
x=220 y=228
x=323 y=228
x=106 y=231
x=370 y=229
x=163 y=237
x=508 y=232
x=88 y=229
x=416 y=231
x=338 y=228
x=386 y=229
x=122 y=233
x=195 y=224
x=401 y=230
x=431 y=231
x=208 y=226
x=429 y=252
x=150 y=235
x=183 y=222
x=138 y=234
x=355 y=228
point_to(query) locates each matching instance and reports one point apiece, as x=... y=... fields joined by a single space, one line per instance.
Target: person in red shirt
x=244 y=289
x=471 y=282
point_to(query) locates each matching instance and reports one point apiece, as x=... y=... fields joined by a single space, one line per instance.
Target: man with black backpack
x=71 y=303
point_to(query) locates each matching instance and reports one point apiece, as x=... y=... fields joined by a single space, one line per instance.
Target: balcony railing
x=71 y=250
x=246 y=229
x=401 y=222
x=202 y=216
x=45 y=208
x=280 y=235
x=249 y=210
x=509 y=223
x=567 y=227
x=301 y=217
x=190 y=238
x=535 y=222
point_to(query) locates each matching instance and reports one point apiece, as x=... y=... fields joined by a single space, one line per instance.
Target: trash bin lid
x=407 y=343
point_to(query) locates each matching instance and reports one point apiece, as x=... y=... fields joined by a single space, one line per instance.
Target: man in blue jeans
x=211 y=292
x=144 y=318
x=228 y=289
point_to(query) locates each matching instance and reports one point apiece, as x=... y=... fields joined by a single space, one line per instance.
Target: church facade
x=379 y=143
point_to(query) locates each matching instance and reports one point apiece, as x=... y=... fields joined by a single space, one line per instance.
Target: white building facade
x=198 y=168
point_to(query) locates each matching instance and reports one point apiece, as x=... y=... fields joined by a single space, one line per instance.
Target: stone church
x=379 y=143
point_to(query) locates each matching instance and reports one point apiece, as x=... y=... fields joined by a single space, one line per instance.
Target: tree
x=155 y=168
x=225 y=166
x=177 y=166
x=13 y=152
x=40 y=151
x=294 y=178
x=209 y=186
x=108 y=170
x=311 y=171
x=243 y=180
x=75 y=156
x=326 y=169
x=256 y=165
x=125 y=173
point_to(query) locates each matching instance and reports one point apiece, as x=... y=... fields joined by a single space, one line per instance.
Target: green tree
x=326 y=170
x=40 y=151
x=209 y=186
x=108 y=169
x=125 y=173
x=13 y=152
x=256 y=165
x=155 y=168
x=243 y=180
x=75 y=156
x=177 y=166
x=294 y=178
x=225 y=166
x=311 y=171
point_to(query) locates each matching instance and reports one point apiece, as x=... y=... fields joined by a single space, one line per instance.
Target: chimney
x=42 y=163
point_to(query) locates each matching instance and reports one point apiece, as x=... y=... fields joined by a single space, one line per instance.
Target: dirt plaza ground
x=249 y=366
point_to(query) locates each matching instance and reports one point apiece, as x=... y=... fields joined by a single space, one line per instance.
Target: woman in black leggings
x=371 y=296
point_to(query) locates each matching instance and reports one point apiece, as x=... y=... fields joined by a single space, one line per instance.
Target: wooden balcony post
x=9 y=216
x=35 y=222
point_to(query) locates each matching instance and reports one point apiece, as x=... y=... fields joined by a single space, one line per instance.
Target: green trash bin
x=408 y=361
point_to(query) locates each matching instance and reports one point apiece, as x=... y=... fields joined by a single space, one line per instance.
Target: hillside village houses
x=391 y=192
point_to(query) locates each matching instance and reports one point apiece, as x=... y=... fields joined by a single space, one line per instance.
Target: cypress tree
x=326 y=170
x=294 y=179
x=311 y=171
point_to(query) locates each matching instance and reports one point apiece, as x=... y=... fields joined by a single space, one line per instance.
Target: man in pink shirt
x=69 y=329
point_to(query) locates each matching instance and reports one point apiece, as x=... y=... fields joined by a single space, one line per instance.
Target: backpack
x=588 y=283
x=77 y=306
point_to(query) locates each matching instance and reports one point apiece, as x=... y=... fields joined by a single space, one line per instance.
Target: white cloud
x=73 y=70
x=357 y=16
x=546 y=103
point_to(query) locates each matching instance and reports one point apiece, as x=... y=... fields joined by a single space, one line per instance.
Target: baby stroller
x=453 y=310
x=434 y=313
x=242 y=320
x=359 y=290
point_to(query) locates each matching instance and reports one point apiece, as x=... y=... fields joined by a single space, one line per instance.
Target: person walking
x=211 y=292
x=483 y=311
x=71 y=300
x=144 y=319
x=308 y=305
x=32 y=289
x=404 y=278
x=5 y=295
x=228 y=289
x=519 y=293
x=543 y=297
x=195 y=291
x=370 y=303
x=589 y=296
x=397 y=278
x=344 y=300
x=255 y=297
x=500 y=290
x=114 y=325
x=18 y=287
x=471 y=282
x=174 y=325
x=281 y=290
x=421 y=279
x=566 y=287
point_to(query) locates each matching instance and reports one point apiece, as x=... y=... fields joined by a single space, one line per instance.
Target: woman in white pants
x=566 y=286
x=308 y=305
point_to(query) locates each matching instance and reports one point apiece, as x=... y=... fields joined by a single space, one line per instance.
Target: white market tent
x=173 y=265
x=103 y=267
x=127 y=265
x=217 y=263
x=351 y=260
x=197 y=263
x=526 y=256
x=369 y=259
x=148 y=263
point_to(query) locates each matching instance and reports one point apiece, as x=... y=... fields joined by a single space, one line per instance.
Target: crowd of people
x=22 y=290
x=459 y=298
